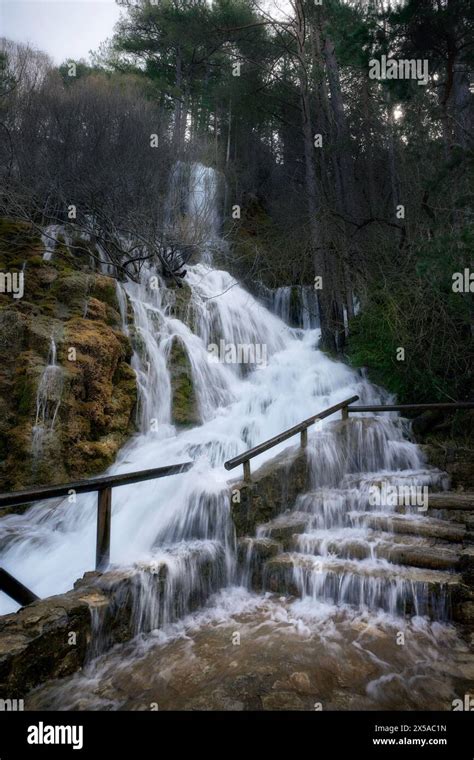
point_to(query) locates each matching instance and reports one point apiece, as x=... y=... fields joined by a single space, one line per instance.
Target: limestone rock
x=79 y=310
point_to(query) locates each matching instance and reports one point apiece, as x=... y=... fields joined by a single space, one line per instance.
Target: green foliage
x=417 y=310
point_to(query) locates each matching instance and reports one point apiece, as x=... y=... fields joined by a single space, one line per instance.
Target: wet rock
x=419 y=556
x=184 y=405
x=101 y=610
x=273 y=489
x=456 y=458
x=252 y=553
x=47 y=639
x=284 y=527
x=180 y=303
x=301 y=682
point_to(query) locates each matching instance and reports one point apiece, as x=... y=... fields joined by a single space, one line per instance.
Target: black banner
x=129 y=734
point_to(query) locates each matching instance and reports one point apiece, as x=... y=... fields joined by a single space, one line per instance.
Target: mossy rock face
x=104 y=289
x=272 y=490
x=184 y=404
x=180 y=303
x=17 y=242
x=96 y=310
x=97 y=384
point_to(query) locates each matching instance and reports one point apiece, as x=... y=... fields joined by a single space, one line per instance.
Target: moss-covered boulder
x=93 y=397
x=180 y=303
x=184 y=404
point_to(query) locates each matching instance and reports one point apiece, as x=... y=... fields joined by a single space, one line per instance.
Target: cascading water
x=296 y=305
x=50 y=238
x=282 y=302
x=48 y=400
x=182 y=523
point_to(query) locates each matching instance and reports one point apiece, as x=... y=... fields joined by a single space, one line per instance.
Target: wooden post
x=247 y=475
x=345 y=413
x=304 y=438
x=104 y=516
x=15 y=589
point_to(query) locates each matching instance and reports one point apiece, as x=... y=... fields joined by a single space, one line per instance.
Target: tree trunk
x=328 y=308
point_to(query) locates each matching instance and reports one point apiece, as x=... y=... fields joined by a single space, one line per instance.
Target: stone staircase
x=404 y=562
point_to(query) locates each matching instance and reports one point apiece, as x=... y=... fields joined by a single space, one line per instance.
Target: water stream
x=184 y=520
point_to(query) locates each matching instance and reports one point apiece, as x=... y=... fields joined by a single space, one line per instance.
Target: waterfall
x=50 y=239
x=282 y=302
x=203 y=206
x=48 y=400
x=123 y=306
x=296 y=305
x=178 y=529
x=192 y=206
x=309 y=308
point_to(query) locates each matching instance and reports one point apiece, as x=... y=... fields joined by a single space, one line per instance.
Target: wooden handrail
x=15 y=589
x=302 y=428
x=92 y=484
x=103 y=486
x=411 y=407
x=347 y=409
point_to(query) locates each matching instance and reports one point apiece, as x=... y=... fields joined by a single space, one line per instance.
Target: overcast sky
x=62 y=28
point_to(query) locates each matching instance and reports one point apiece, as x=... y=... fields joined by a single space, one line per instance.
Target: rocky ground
x=244 y=652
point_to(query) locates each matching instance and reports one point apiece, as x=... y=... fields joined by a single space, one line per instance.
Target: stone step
x=463 y=500
x=408 y=550
x=429 y=476
x=252 y=553
x=428 y=527
x=283 y=528
x=374 y=584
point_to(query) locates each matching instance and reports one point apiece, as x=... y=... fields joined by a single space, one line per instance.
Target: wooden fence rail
x=346 y=409
x=104 y=487
x=301 y=428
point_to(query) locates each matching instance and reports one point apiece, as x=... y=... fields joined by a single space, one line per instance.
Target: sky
x=62 y=28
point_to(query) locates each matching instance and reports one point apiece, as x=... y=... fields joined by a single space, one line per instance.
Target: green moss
x=181 y=303
x=99 y=392
x=36 y=261
x=184 y=402
x=104 y=289
x=17 y=241
x=26 y=395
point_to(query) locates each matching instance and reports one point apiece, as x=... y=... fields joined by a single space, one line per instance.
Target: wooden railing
x=104 y=487
x=346 y=409
x=301 y=428
x=451 y=406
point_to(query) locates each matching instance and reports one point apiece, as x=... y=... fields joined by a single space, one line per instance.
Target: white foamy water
x=184 y=520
